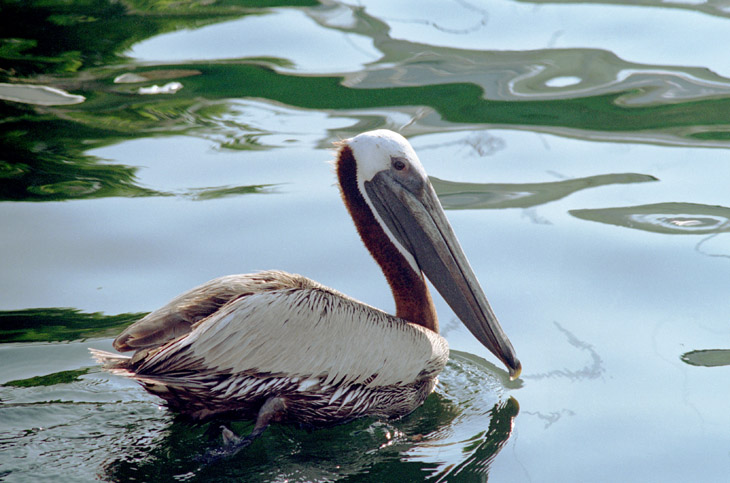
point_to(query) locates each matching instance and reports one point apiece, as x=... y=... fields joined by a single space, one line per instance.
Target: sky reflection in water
x=567 y=154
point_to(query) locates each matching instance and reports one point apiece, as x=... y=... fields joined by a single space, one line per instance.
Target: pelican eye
x=398 y=164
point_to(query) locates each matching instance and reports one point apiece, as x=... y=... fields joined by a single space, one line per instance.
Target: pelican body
x=274 y=346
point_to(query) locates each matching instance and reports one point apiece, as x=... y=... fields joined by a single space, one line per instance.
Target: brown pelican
x=273 y=346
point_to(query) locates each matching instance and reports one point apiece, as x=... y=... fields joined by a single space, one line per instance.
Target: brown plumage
x=412 y=299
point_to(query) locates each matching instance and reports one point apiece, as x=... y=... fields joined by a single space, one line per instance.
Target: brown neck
x=412 y=298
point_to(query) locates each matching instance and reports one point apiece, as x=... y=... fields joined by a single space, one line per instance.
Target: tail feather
x=109 y=360
x=125 y=366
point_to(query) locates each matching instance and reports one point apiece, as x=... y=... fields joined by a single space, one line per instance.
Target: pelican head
x=393 y=183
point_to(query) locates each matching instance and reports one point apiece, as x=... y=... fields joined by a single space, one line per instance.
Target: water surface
x=581 y=150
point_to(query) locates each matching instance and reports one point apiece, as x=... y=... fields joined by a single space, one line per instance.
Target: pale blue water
x=600 y=304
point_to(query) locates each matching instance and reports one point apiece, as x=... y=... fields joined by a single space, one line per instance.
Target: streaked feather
x=278 y=334
x=306 y=331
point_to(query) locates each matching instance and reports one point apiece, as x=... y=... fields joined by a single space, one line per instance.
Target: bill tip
x=515 y=371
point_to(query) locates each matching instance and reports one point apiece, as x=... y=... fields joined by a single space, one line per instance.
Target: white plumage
x=277 y=334
x=304 y=330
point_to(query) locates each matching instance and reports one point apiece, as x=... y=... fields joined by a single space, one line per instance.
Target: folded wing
x=298 y=328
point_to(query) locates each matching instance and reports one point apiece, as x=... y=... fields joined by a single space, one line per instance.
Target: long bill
x=416 y=219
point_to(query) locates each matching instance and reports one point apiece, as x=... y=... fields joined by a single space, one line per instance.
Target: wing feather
x=178 y=317
x=306 y=331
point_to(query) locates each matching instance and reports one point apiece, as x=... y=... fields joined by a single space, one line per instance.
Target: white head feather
x=374 y=151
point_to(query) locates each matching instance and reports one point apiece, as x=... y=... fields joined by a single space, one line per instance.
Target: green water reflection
x=59 y=37
x=63 y=377
x=62 y=45
x=44 y=154
x=58 y=325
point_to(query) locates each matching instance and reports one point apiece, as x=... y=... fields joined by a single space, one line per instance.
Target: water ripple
x=458 y=196
x=101 y=426
x=667 y=218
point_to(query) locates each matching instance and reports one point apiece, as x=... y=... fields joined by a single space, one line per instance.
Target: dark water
x=580 y=148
